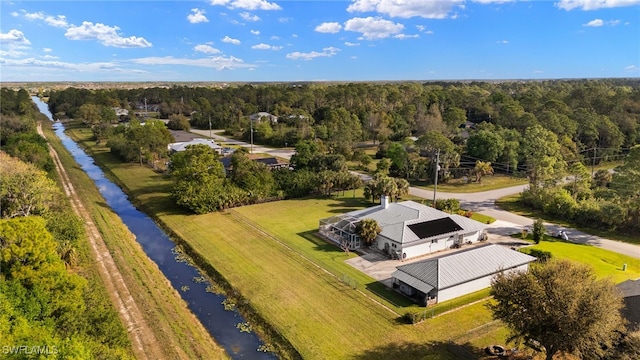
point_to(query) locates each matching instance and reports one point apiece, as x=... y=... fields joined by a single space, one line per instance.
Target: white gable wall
x=471 y=286
x=427 y=247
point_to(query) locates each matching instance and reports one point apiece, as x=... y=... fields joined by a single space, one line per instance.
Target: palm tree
x=368 y=230
x=482 y=168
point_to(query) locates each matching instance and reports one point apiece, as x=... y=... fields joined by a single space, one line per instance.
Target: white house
x=182 y=146
x=409 y=229
x=456 y=274
x=260 y=116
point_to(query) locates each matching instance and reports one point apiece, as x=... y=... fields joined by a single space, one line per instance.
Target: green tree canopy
x=560 y=305
x=24 y=189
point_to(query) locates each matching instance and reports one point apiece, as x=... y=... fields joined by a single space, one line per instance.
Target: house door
x=386 y=247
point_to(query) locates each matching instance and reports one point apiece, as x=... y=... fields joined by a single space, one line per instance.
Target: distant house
x=449 y=276
x=271 y=162
x=630 y=290
x=121 y=113
x=409 y=229
x=182 y=146
x=263 y=116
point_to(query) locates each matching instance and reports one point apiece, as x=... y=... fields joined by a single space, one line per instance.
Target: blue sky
x=357 y=40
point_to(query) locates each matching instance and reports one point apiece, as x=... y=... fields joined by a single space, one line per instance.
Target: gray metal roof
x=463 y=266
x=394 y=220
x=412 y=281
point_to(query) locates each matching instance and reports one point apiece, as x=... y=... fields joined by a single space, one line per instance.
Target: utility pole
x=593 y=163
x=209 y=126
x=251 y=152
x=435 y=187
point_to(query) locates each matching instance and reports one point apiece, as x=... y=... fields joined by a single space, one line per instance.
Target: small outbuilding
x=452 y=275
x=182 y=146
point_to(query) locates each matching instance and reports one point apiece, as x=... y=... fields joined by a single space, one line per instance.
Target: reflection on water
x=208 y=307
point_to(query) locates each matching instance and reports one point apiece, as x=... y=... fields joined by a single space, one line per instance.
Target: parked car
x=561 y=234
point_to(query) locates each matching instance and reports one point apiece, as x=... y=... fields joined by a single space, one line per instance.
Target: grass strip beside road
x=490 y=182
x=177 y=329
x=512 y=203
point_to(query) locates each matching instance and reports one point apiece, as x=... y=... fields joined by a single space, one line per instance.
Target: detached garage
x=449 y=276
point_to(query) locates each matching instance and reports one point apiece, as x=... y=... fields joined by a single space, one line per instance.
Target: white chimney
x=384 y=201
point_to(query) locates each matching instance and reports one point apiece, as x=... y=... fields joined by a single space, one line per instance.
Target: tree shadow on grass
x=391 y=296
x=428 y=351
x=320 y=243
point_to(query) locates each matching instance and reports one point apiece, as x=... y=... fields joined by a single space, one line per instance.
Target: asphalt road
x=507 y=223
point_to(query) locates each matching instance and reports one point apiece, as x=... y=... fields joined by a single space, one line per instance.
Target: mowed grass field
x=605 y=263
x=270 y=254
x=320 y=315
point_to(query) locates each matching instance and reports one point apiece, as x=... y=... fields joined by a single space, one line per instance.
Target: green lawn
x=490 y=182
x=292 y=278
x=605 y=263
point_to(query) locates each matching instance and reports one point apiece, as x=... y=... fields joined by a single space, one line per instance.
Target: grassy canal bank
x=179 y=333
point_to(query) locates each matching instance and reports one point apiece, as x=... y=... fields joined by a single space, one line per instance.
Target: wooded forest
x=544 y=130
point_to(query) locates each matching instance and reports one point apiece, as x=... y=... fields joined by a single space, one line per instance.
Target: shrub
x=543 y=256
x=538 y=230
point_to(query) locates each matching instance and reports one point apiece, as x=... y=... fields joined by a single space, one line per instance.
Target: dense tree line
x=202 y=184
x=19 y=137
x=534 y=129
x=46 y=304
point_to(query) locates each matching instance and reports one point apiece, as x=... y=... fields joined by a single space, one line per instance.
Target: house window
x=434 y=241
x=393 y=245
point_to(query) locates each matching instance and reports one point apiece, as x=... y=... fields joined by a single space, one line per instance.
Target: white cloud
x=594 y=23
x=600 y=22
x=207 y=49
x=407 y=8
x=373 y=28
x=632 y=68
x=405 y=36
x=230 y=40
x=57 y=21
x=197 y=16
x=15 y=14
x=249 y=17
x=47 y=50
x=14 y=37
x=107 y=35
x=255 y=32
x=294 y=35
x=218 y=62
x=502 y=41
x=329 y=27
x=351 y=44
x=421 y=27
x=326 y=52
x=263 y=46
x=247 y=4
x=50 y=57
x=274 y=37
x=82 y=67
x=34 y=16
x=594 y=4
x=12 y=53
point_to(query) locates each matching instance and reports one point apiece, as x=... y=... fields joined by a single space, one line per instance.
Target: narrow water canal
x=207 y=306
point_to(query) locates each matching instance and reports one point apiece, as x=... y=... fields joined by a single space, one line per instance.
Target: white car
x=561 y=234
